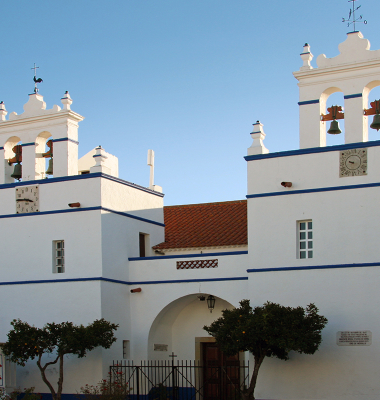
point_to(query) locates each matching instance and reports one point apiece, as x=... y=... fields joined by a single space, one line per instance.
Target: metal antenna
x=151 y=164
x=353 y=20
x=39 y=80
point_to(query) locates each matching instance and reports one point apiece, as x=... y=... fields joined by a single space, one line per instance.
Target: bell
x=334 y=128
x=376 y=122
x=17 y=174
x=49 y=171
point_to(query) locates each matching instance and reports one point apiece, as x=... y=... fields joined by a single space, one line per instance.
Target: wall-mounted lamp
x=286 y=184
x=211 y=302
x=137 y=290
x=74 y=204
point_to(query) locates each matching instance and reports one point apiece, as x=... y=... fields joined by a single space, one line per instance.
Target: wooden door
x=221 y=374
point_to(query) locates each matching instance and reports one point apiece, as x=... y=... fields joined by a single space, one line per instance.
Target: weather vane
x=39 y=80
x=352 y=14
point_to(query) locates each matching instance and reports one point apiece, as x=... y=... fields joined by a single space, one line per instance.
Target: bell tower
x=30 y=131
x=354 y=72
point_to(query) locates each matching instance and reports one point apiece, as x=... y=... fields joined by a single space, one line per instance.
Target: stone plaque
x=354 y=338
x=160 y=347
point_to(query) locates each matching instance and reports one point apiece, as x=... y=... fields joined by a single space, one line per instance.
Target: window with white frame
x=59 y=256
x=305 y=239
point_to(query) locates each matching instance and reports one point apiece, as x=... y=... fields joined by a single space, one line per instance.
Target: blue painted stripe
x=226 y=253
x=28 y=144
x=76 y=177
x=239 y=278
x=303 y=103
x=331 y=266
x=1 y=148
x=142 y=188
x=313 y=150
x=71 y=210
x=97 y=155
x=326 y=189
x=133 y=216
x=353 y=96
x=65 y=140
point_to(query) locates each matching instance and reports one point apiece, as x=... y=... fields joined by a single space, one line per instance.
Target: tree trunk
x=60 y=380
x=42 y=370
x=249 y=393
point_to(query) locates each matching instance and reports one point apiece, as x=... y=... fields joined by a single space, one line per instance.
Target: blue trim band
x=353 y=96
x=326 y=189
x=97 y=155
x=28 y=144
x=71 y=210
x=1 y=148
x=65 y=140
x=313 y=150
x=332 y=266
x=133 y=216
x=304 y=103
x=240 y=278
x=226 y=253
x=75 y=177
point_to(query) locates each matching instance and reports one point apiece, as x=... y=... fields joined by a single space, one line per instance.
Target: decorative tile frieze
x=196 y=264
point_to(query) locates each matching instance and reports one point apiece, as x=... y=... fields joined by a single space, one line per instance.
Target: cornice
x=342 y=68
x=63 y=115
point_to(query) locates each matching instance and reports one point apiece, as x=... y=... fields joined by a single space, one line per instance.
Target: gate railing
x=180 y=380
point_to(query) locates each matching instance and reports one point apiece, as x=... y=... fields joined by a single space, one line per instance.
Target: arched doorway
x=179 y=326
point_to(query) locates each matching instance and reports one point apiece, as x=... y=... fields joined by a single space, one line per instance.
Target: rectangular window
x=59 y=256
x=305 y=239
x=144 y=244
x=126 y=349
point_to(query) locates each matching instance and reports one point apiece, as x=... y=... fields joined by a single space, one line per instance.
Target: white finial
x=100 y=158
x=306 y=57
x=151 y=164
x=3 y=111
x=66 y=101
x=258 y=136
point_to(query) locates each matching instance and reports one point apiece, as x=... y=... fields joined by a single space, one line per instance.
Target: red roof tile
x=205 y=225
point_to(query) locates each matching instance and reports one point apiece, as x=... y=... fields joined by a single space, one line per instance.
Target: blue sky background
x=186 y=78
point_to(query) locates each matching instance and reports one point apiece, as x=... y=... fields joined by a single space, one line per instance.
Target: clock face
x=27 y=199
x=353 y=162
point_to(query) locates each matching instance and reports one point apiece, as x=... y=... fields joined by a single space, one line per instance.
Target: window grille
x=59 y=256
x=305 y=239
x=195 y=264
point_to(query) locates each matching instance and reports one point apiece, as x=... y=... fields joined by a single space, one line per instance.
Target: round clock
x=353 y=162
x=27 y=199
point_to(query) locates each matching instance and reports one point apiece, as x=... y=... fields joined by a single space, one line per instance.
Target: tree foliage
x=28 y=342
x=271 y=330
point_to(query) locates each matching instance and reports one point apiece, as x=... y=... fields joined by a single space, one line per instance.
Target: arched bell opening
x=332 y=115
x=44 y=155
x=179 y=326
x=13 y=160
x=371 y=94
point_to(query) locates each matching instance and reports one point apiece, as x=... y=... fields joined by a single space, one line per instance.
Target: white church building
x=85 y=244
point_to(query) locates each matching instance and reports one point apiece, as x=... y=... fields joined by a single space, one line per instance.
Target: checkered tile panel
x=196 y=264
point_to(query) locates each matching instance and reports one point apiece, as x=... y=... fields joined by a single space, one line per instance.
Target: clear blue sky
x=186 y=78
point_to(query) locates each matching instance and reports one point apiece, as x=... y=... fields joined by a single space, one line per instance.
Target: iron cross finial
x=39 y=80
x=352 y=14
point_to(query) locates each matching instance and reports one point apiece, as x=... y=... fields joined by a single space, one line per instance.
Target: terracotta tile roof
x=205 y=225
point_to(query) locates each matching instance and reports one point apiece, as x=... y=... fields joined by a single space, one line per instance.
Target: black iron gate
x=180 y=380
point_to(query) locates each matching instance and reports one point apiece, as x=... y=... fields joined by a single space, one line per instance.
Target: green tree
x=28 y=342
x=271 y=330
